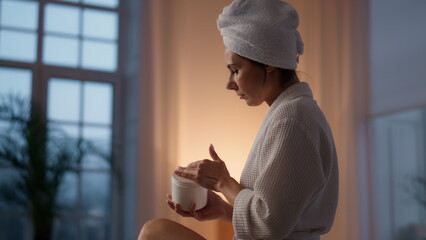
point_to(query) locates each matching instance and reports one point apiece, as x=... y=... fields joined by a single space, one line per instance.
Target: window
x=64 y=55
x=399 y=155
x=398 y=119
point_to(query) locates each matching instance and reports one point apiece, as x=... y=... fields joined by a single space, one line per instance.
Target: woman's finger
x=178 y=209
x=189 y=173
x=192 y=210
x=171 y=204
x=195 y=164
x=181 y=212
x=197 y=215
x=213 y=153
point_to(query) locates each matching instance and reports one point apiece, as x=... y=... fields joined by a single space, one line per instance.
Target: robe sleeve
x=290 y=176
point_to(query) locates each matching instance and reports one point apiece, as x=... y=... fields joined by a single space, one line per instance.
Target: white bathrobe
x=291 y=175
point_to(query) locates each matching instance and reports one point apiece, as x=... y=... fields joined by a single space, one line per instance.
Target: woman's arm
x=290 y=176
x=230 y=188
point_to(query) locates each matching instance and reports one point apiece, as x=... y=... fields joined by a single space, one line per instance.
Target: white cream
x=185 y=192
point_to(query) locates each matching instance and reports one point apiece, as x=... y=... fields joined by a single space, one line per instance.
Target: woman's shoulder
x=302 y=112
x=296 y=108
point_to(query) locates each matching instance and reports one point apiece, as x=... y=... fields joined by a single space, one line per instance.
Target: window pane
x=18 y=46
x=64 y=100
x=20 y=14
x=99 y=55
x=15 y=81
x=60 y=51
x=69 y=130
x=63 y=139
x=62 y=19
x=102 y=3
x=97 y=103
x=101 y=138
x=67 y=194
x=4 y=126
x=64 y=229
x=100 y=24
x=9 y=178
x=94 y=229
x=95 y=193
x=12 y=228
x=66 y=133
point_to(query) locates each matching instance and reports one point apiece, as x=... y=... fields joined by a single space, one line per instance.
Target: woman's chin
x=252 y=103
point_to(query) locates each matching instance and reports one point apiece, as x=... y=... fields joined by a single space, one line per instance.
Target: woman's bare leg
x=159 y=229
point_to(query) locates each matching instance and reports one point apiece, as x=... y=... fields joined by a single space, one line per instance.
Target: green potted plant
x=41 y=156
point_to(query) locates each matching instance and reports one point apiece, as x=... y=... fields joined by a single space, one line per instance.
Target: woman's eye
x=235 y=72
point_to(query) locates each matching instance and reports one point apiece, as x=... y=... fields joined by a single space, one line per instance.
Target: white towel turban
x=262 y=30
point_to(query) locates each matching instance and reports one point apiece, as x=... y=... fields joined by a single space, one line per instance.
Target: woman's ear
x=270 y=68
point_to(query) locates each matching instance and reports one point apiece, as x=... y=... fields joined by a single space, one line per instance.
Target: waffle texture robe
x=291 y=174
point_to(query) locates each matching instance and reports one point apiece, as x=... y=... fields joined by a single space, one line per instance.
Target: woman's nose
x=231 y=85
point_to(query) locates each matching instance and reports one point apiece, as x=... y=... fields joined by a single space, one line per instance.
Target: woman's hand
x=207 y=173
x=216 y=208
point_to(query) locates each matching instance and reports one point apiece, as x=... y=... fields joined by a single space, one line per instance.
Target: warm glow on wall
x=206 y=112
x=228 y=123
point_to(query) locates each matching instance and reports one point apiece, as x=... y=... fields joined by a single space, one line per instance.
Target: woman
x=289 y=186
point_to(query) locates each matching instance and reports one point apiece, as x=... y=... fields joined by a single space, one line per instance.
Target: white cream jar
x=185 y=192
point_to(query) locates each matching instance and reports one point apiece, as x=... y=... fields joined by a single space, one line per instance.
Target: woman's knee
x=153 y=228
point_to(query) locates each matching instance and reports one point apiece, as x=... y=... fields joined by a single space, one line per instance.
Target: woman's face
x=246 y=78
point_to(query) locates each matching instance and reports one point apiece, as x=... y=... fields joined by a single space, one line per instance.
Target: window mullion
x=39 y=83
x=81 y=5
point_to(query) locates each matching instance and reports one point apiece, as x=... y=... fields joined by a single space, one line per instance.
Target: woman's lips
x=241 y=96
